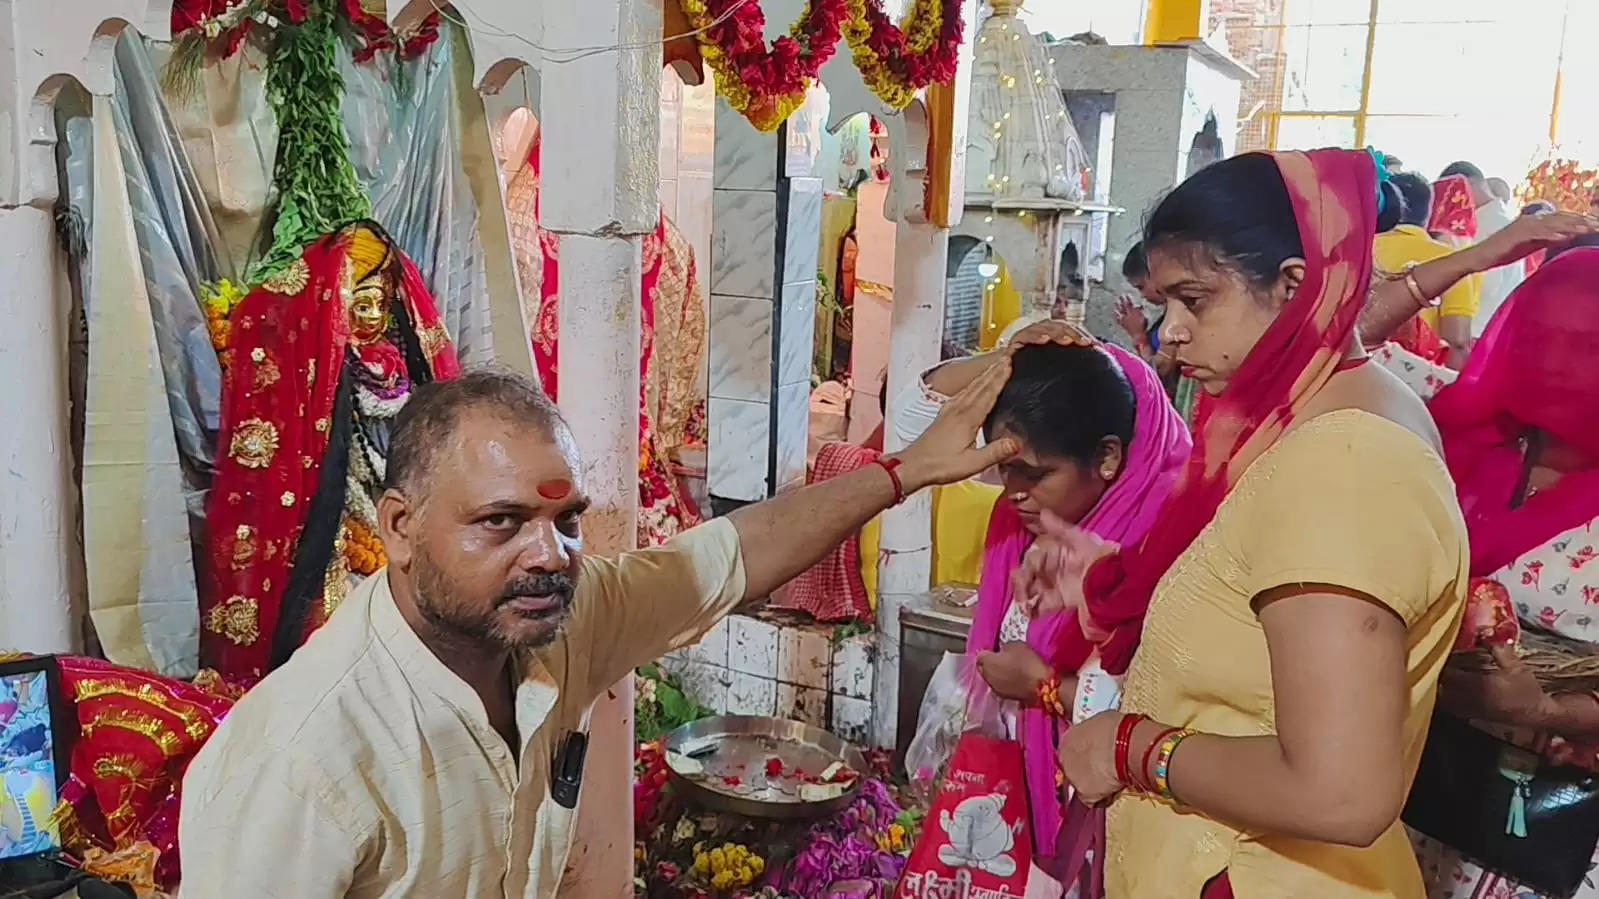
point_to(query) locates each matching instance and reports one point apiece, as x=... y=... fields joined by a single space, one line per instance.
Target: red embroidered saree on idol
x=320 y=356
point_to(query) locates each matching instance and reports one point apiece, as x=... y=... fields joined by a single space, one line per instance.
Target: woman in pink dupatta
x=1058 y=402
x=1522 y=442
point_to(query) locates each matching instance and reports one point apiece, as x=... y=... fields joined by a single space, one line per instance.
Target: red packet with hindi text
x=975 y=842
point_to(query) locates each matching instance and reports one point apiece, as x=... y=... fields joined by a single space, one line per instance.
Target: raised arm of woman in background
x=1392 y=303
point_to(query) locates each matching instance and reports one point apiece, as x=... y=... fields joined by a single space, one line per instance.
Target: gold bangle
x=1416 y=293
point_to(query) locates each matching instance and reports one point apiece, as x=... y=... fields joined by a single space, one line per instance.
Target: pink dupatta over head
x=1534 y=368
x=1155 y=458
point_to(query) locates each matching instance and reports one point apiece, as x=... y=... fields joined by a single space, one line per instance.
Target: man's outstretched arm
x=785 y=535
x=639 y=605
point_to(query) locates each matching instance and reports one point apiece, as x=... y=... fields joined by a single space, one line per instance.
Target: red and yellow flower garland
x=765 y=86
x=897 y=61
x=1563 y=182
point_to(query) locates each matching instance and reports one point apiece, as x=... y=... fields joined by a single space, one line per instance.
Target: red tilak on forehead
x=557 y=488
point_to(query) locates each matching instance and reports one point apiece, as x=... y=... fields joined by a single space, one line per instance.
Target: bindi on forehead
x=555 y=488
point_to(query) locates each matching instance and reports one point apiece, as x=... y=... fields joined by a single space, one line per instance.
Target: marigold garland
x=218 y=301
x=363 y=551
x=897 y=61
x=765 y=86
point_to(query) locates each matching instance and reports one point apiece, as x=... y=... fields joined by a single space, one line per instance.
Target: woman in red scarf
x=1305 y=581
x=1454 y=212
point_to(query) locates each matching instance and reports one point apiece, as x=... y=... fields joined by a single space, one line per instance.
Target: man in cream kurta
x=397 y=777
x=406 y=750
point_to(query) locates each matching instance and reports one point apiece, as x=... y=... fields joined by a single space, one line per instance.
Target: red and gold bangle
x=1162 y=773
x=890 y=465
x=1124 y=737
x=1049 y=698
x=1145 y=781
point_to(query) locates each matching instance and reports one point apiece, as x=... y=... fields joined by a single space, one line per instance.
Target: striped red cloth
x=832 y=589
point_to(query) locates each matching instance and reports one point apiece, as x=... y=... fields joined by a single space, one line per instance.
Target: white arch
x=50 y=45
x=501 y=33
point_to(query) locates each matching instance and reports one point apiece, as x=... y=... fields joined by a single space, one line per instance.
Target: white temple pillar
x=916 y=328
x=600 y=116
x=36 y=503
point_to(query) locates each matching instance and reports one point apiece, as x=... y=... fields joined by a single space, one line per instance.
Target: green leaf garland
x=317 y=190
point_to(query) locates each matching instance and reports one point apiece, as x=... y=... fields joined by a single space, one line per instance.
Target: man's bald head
x=431 y=419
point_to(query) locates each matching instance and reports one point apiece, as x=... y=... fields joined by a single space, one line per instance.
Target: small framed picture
x=33 y=759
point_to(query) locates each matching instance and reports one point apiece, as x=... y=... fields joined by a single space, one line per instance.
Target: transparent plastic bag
x=956 y=702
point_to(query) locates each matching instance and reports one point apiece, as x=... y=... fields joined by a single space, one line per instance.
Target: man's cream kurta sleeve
x=266 y=825
x=631 y=610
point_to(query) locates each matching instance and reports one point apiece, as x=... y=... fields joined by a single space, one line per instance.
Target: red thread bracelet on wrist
x=890 y=464
x=1124 y=736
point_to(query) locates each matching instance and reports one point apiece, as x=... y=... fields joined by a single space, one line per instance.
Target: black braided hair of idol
x=314 y=551
x=417 y=367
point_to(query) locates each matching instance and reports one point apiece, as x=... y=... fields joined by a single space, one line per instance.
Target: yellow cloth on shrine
x=365 y=768
x=1347 y=499
x=960 y=519
x=1002 y=305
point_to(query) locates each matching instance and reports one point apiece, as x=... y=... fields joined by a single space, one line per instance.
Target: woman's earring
x=1108 y=473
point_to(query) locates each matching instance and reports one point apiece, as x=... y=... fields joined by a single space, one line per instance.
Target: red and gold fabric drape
x=671 y=340
x=135 y=734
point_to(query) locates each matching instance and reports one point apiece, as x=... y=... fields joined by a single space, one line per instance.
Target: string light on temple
x=1022 y=136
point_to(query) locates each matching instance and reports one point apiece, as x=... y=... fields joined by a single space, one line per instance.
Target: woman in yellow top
x=1408 y=243
x=1305 y=581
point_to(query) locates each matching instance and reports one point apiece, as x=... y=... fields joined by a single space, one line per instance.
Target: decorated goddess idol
x=321 y=357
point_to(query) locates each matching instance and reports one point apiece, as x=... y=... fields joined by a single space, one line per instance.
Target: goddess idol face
x=369 y=308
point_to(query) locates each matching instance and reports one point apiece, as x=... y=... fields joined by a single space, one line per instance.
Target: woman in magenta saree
x=1102 y=448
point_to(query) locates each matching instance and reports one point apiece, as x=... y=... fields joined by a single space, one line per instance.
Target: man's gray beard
x=432 y=585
